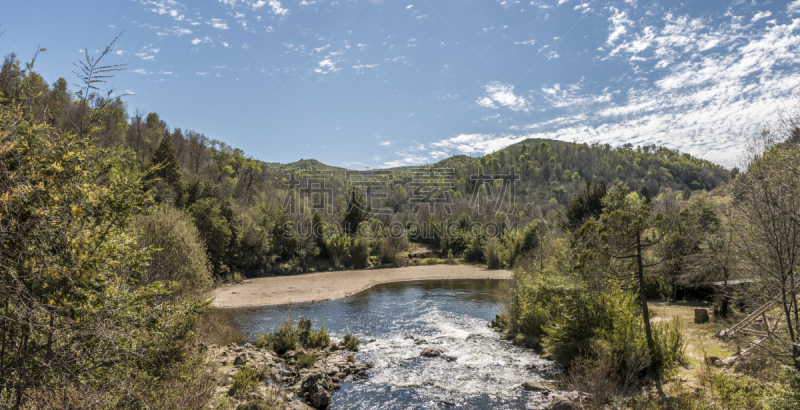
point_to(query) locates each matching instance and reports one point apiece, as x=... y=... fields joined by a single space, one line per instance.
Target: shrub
x=338 y=247
x=491 y=253
x=474 y=251
x=310 y=338
x=430 y=261
x=244 y=381
x=350 y=342
x=180 y=251
x=669 y=346
x=387 y=251
x=291 y=336
x=359 y=253
x=306 y=361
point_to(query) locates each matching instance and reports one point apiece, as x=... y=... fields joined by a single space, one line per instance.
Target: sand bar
x=279 y=290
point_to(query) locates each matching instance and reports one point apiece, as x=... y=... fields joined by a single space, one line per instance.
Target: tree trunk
x=643 y=295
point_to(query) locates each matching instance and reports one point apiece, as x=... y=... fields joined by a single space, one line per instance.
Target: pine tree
x=167 y=157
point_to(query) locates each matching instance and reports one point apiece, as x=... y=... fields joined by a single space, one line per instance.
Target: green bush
x=474 y=250
x=310 y=338
x=338 y=247
x=669 y=345
x=350 y=342
x=491 y=253
x=244 y=381
x=306 y=361
x=359 y=253
x=180 y=251
x=291 y=336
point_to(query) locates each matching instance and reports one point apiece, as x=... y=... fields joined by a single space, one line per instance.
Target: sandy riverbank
x=278 y=290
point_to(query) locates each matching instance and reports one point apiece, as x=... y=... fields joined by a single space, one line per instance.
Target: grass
x=701 y=340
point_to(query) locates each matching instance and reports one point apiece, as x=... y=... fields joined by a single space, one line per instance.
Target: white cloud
x=528 y=42
x=793 y=7
x=139 y=71
x=707 y=102
x=502 y=94
x=761 y=15
x=205 y=39
x=204 y=73
x=129 y=92
x=411 y=5
x=619 y=25
x=385 y=143
x=277 y=9
x=217 y=23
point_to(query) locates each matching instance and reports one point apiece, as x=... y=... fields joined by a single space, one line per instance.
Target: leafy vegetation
x=350 y=342
x=291 y=336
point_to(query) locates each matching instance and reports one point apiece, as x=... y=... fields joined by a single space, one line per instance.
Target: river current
x=449 y=315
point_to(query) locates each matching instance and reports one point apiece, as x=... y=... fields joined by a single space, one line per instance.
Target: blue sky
x=385 y=83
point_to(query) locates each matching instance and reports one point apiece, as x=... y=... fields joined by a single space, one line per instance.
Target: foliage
x=306 y=361
x=180 y=253
x=350 y=342
x=245 y=380
x=290 y=336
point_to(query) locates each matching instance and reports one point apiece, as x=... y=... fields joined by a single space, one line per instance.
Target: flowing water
x=450 y=315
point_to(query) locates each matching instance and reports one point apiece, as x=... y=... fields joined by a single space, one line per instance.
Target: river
x=450 y=315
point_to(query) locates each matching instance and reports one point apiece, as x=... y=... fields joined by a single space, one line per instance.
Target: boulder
x=319 y=394
x=362 y=375
x=534 y=387
x=430 y=352
x=449 y=358
x=561 y=403
x=240 y=360
x=298 y=405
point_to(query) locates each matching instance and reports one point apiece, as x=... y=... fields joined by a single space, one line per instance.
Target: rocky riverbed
x=283 y=383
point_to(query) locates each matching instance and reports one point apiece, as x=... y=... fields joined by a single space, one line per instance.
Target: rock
x=319 y=394
x=561 y=403
x=714 y=361
x=430 y=352
x=240 y=360
x=298 y=405
x=449 y=358
x=419 y=341
x=362 y=375
x=534 y=387
x=371 y=340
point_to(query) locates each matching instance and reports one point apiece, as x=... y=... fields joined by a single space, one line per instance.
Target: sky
x=382 y=83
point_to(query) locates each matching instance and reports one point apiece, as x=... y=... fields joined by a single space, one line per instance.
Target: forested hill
x=556 y=169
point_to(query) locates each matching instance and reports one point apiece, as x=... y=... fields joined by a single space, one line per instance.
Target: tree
x=587 y=204
x=613 y=247
x=767 y=197
x=168 y=168
x=72 y=312
x=356 y=212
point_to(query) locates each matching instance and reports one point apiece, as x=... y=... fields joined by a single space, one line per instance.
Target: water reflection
x=450 y=315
